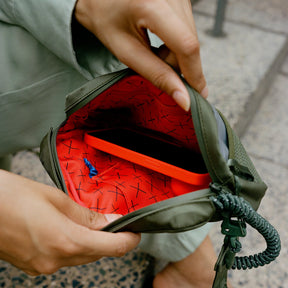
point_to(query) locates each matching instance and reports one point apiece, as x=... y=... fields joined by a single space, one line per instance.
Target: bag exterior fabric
x=184 y=212
x=124 y=98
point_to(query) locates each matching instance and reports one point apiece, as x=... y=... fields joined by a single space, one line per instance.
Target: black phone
x=150 y=143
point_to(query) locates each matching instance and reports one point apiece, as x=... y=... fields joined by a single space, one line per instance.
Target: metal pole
x=219 y=19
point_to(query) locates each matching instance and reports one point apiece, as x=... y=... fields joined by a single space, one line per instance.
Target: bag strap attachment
x=233 y=206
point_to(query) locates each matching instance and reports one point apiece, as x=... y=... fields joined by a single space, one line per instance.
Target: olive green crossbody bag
x=127 y=148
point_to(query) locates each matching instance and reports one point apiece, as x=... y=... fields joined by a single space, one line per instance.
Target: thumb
x=89 y=218
x=79 y=214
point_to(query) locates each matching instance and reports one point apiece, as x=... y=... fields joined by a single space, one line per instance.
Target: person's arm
x=49 y=21
x=53 y=24
x=42 y=229
x=122 y=27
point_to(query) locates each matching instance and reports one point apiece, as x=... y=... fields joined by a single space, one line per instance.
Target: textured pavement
x=247 y=74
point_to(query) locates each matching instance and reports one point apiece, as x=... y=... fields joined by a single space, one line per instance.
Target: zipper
x=71 y=108
x=100 y=87
x=230 y=136
x=60 y=178
x=156 y=208
x=54 y=167
x=198 y=123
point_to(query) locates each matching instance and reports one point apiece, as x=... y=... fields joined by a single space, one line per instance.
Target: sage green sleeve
x=51 y=22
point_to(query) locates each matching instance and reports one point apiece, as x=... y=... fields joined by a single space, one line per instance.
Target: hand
x=42 y=229
x=122 y=27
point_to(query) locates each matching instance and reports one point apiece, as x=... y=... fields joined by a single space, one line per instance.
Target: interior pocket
x=109 y=184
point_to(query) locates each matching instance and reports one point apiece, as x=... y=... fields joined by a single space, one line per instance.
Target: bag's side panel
x=207 y=134
x=252 y=189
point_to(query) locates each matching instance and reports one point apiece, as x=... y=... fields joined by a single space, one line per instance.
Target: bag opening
x=109 y=184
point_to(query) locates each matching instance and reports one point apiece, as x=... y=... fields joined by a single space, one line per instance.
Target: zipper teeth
x=59 y=178
x=200 y=138
x=51 y=153
x=103 y=84
x=147 y=211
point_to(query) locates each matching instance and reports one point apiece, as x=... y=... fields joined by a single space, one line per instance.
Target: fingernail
x=182 y=99
x=112 y=217
x=204 y=92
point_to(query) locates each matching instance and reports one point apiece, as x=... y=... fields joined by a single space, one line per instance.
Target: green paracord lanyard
x=233 y=206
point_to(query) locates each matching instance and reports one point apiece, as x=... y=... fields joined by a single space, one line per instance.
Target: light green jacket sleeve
x=50 y=22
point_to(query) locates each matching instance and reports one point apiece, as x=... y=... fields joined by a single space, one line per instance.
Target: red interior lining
x=121 y=186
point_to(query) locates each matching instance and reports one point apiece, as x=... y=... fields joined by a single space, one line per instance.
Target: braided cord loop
x=240 y=208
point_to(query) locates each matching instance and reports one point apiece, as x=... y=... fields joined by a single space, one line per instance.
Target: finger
x=193 y=73
x=79 y=260
x=78 y=214
x=168 y=56
x=99 y=243
x=142 y=60
x=184 y=44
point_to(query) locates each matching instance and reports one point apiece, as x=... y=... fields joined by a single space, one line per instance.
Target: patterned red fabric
x=122 y=186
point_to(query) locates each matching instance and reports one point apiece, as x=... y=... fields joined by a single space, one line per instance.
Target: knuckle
x=142 y=9
x=69 y=249
x=198 y=82
x=202 y=83
x=190 y=46
x=43 y=266
x=64 y=246
x=142 y=6
x=159 y=78
x=121 y=250
x=48 y=268
x=92 y=218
